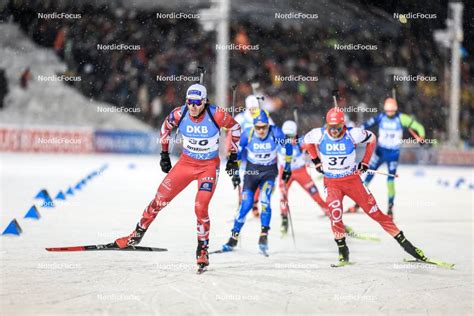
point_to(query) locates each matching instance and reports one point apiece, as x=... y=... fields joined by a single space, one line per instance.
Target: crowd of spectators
x=167 y=47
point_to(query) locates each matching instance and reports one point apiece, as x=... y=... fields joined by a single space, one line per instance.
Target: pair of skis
x=111 y=246
x=203 y=268
x=436 y=262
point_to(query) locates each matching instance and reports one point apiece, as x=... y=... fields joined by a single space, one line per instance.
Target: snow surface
x=46 y=102
x=291 y=281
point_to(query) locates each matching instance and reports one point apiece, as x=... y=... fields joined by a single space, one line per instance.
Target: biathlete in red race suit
x=332 y=149
x=200 y=124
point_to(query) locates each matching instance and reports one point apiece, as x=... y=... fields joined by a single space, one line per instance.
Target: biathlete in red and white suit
x=332 y=149
x=199 y=124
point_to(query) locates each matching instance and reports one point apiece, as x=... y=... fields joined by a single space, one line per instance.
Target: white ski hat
x=251 y=102
x=196 y=92
x=289 y=128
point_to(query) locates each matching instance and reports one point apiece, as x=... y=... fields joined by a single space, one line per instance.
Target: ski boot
x=390 y=210
x=343 y=250
x=415 y=252
x=131 y=240
x=231 y=243
x=284 y=224
x=263 y=240
x=202 y=255
x=353 y=209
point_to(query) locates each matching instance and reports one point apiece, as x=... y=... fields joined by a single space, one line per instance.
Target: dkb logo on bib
x=196 y=129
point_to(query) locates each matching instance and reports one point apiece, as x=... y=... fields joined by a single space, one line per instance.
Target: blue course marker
x=70 y=191
x=43 y=194
x=60 y=196
x=419 y=172
x=13 y=228
x=33 y=213
x=459 y=182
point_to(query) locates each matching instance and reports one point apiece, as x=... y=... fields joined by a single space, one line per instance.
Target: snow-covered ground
x=291 y=281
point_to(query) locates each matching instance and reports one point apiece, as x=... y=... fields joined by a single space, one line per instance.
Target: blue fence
x=126 y=142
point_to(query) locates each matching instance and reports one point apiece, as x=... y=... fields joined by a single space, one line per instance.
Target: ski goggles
x=194 y=102
x=335 y=129
x=261 y=127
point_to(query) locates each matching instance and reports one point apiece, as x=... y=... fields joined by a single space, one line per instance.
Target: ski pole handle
x=295 y=115
x=234 y=96
x=334 y=97
x=255 y=86
x=260 y=99
x=202 y=71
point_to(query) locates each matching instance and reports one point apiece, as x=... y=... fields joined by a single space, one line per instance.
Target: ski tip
x=56 y=249
x=435 y=262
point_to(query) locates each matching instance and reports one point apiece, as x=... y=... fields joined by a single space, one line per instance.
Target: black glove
x=232 y=166
x=318 y=165
x=362 y=167
x=165 y=162
x=286 y=175
x=235 y=180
